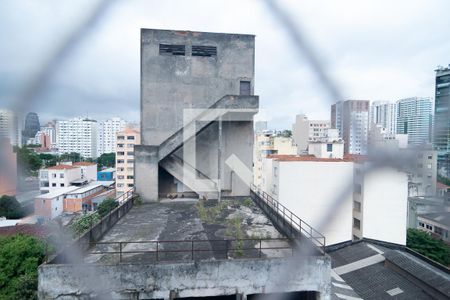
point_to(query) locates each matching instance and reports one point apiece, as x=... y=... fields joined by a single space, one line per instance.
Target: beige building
x=305 y=131
x=267 y=143
x=126 y=140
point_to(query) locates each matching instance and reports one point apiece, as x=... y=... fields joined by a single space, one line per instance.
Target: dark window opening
x=165 y=49
x=304 y=295
x=244 y=88
x=329 y=147
x=207 y=51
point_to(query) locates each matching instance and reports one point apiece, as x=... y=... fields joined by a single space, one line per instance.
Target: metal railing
x=287 y=216
x=188 y=250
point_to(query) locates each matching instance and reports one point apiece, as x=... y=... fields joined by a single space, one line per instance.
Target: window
x=120 y=153
x=430 y=156
x=120 y=145
x=329 y=147
x=130 y=161
x=207 y=51
x=165 y=49
x=53 y=184
x=130 y=145
x=119 y=185
x=244 y=88
x=62 y=184
x=130 y=177
x=120 y=177
x=61 y=175
x=130 y=185
x=130 y=137
x=356 y=223
x=357 y=206
x=53 y=175
x=120 y=161
x=130 y=153
x=120 y=137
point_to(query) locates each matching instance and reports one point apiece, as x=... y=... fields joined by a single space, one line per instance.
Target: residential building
x=50 y=131
x=107 y=131
x=10 y=127
x=77 y=135
x=304 y=131
x=267 y=143
x=126 y=141
x=196 y=97
x=50 y=205
x=437 y=224
x=351 y=119
x=329 y=146
x=8 y=169
x=425 y=205
x=66 y=174
x=32 y=126
x=383 y=114
x=414 y=118
x=381 y=138
x=422 y=170
x=338 y=197
x=81 y=198
x=441 y=140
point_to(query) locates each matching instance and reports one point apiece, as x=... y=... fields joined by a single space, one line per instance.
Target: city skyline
x=364 y=67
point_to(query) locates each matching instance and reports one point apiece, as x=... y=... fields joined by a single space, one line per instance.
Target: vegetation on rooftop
x=82 y=223
x=428 y=246
x=443 y=180
x=106 y=206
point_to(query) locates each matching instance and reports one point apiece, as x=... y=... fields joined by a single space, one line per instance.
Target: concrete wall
x=309 y=189
x=170 y=83
x=190 y=279
x=385 y=205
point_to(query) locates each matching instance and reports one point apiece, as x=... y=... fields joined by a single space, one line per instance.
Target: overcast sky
x=375 y=50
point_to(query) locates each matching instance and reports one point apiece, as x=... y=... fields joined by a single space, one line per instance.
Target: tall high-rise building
x=10 y=127
x=441 y=141
x=384 y=114
x=125 y=142
x=351 y=119
x=50 y=130
x=304 y=131
x=32 y=125
x=414 y=118
x=107 y=131
x=77 y=135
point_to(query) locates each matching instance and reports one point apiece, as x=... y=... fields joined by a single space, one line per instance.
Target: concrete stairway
x=195 y=180
x=228 y=107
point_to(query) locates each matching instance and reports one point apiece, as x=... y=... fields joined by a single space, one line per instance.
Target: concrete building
x=422 y=172
x=66 y=174
x=414 y=118
x=107 y=175
x=441 y=140
x=32 y=126
x=50 y=205
x=329 y=146
x=425 y=205
x=304 y=131
x=10 y=127
x=351 y=118
x=197 y=108
x=320 y=190
x=77 y=135
x=437 y=224
x=107 y=132
x=384 y=115
x=126 y=141
x=8 y=169
x=267 y=143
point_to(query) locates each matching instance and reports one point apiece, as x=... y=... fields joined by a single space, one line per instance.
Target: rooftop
x=312 y=158
x=176 y=223
x=108 y=170
x=441 y=217
x=83 y=164
x=61 y=167
x=57 y=192
x=365 y=270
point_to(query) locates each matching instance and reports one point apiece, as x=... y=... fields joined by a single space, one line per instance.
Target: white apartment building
x=384 y=115
x=126 y=140
x=351 y=119
x=107 y=131
x=337 y=198
x=267 y=143
x=304 y=131
x=77 y=135
x=10 y=127
x=65 y=174
x=414 y=117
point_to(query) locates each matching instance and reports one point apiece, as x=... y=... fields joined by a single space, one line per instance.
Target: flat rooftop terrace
x=189 y=229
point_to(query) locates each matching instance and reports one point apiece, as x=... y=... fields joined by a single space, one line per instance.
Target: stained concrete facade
x=184 y=73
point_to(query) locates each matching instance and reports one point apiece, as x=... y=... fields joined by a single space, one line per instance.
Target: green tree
x=49 y=160
x=106 y=206
x=20 y=256
x=28 y=161
x=443 y=179
x=72 y=156
x=426 y=245
x=286 y=133
x=10 y=207
x=106 y=160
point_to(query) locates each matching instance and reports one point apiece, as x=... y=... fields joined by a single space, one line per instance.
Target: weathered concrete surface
x=191 y=279
x=146 y=172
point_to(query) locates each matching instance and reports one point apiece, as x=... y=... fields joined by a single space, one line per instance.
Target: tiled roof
x=61 y=167
x=28 y=229
x=441 y=186
x=83 y=163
